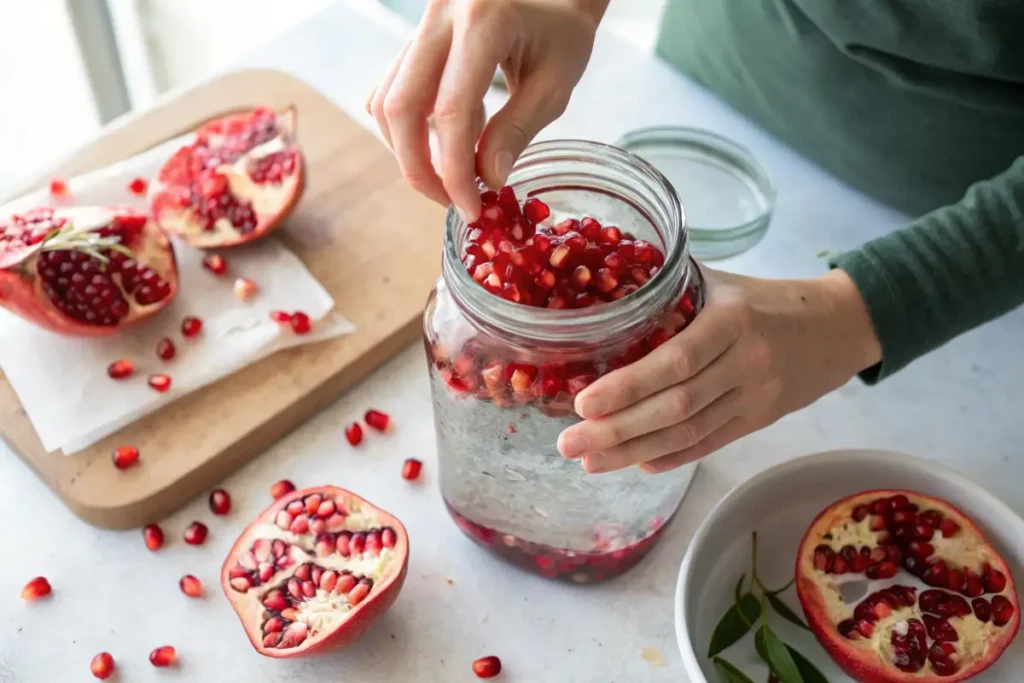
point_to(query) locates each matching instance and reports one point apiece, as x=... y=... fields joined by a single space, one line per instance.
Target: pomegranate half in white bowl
x=886 y=568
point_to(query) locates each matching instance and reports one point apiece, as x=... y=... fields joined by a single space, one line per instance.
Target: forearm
x=947 y=272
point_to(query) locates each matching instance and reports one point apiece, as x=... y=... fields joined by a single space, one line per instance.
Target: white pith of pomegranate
x=899 y=587
x=314 y=570
x=235 y=182
x=86 y=270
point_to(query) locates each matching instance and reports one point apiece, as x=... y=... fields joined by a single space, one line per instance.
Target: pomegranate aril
x=245 y=289
x=982 y=609
x=487 y=667
x=281 y=316
x=882 y=570
x=163 y=656
x=191 y=326
x=937 y=574
x=125 y=456
x=138 y=186
x=220 y=502
x=121 y=369
x=354 y=434
x=1002 y=610
x=995 y=581
x=823 y=557
x=58 y=188
x=165 y=349
x=281 y=488
x=102 y=666
x=388 y=538
x=939 y=629
x=376 y=419
x=300 y=323
x=535 y=210
x=411 y=469
x=955 y=579
x=191 y=586
x=949 y=528
x=160 y=382
x=153 y=536
x=35 y=589
x=359 y=593
x=860 y=512
x=195 y=533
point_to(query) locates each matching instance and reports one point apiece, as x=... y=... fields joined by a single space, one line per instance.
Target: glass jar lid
x=727 y=196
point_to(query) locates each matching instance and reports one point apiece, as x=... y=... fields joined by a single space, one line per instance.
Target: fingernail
x=571 y=445
x=503 y=166
x=588 y=406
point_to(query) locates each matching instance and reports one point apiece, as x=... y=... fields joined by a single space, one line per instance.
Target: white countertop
x=961 y=406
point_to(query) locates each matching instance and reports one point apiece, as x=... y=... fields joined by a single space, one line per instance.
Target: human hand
x=542 y=46
x=760 y=349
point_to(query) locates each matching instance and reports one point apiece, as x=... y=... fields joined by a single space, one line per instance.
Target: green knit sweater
x=919 y=103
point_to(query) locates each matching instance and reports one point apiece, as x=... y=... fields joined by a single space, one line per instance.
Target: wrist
x=849 y=315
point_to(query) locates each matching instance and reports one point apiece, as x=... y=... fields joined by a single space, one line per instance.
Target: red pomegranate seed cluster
x=511 y=252
x=298 y=321
x=374 y=418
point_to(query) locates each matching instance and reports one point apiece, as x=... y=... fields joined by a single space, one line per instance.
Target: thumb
x=533 y=106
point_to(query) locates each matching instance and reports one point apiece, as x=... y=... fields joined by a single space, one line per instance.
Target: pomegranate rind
x=181 y=221
x=21 y=290
x=855 y=657
x=381 y=597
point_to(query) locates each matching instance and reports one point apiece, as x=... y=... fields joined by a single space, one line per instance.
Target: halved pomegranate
x=314 y=570
x=236 y=181
x=85 y=271
x=934 y=601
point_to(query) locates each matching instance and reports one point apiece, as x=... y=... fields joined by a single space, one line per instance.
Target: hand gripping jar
x=504 y=375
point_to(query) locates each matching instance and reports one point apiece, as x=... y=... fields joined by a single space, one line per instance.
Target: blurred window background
x=67 y=67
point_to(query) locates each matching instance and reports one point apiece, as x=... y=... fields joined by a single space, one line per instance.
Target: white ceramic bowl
x=780 y=504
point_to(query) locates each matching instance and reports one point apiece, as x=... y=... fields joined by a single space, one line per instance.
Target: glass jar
x=504 y=376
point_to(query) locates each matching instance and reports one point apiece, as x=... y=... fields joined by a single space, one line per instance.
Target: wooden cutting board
x=370 y=240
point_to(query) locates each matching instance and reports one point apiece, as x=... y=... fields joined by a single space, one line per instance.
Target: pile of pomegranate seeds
x=195 y=533
x=58 y=188
x=191 y=326
x=35 y=589
x=281 y=489
x=298 y=321
x=165 y=349
x=191 y=586
x=160 y=382
x=121 y=369
x=125 y=456
x=102 y=666
x=215 y=263
x=354 y=434
x=511 y=252
x=487 y=667
x=138 y=186
x=411 y=469
x=153 y=537
x=163 y=656
x=220 y=502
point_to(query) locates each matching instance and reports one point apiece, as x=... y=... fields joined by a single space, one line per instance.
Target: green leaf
x=735 y=623
x=807 y=670
x=776 y=654
x=784 y=611
x=728 y=673
x=781 y=590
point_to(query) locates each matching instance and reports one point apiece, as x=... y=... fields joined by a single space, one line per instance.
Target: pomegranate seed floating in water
x=160 y=382
x=300 y=323
x=153 y=536
x=220 y=502
x=487 y=667
x=138 y=186
x=37 y=588
x=58 y=188
x=411 y=469
x=165 y=349
x=245 y=288
x=121 y=369
x=377 y=419
x=354 y=434
x=102 y=666
x=215 y=263
x=125 y=457
x=163 y=656
x=191 y=326
x=196 y=533
x=281 y=488
x=191 y=586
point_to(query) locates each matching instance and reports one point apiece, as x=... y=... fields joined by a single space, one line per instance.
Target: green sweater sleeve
x=947 y=272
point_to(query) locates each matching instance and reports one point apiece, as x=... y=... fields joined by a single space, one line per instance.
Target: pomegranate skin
x=862 y=664
x=382 y=596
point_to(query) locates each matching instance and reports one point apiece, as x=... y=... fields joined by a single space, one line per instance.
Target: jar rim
x=509 y=319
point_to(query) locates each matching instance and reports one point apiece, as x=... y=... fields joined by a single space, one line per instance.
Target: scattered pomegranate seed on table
x=191 y=326
x=220 y=502
x=487 y=667
x=138 y=186
x=160 y=382
x=102 y=666
x=153 y=536
x=121 y=369
x=58 y=188
x=281 y=316
x=245 y=288
x=215 y=263
x=377 y=419
x=300 y=323
x=354 y=434
x=125 y=456
x=165 y=349
x=191 y=586
x=281 y=488
x=195 y=533
x=411 y=469
x=163 y=656
x=35 y=589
